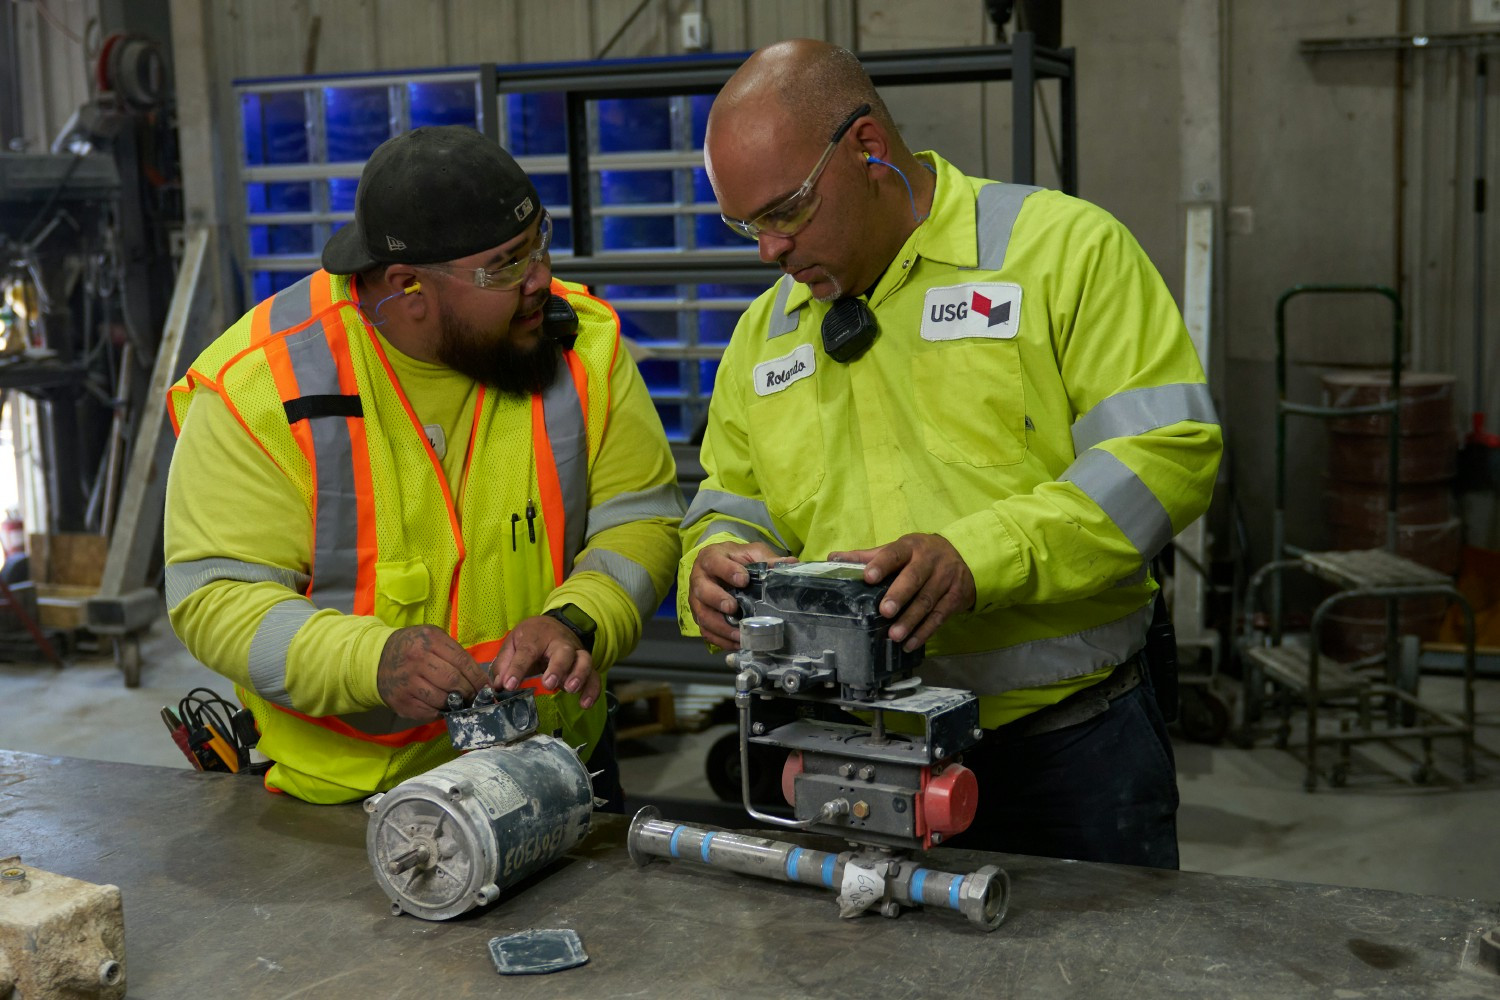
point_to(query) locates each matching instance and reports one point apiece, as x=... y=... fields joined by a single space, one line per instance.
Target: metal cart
x=1290 y=671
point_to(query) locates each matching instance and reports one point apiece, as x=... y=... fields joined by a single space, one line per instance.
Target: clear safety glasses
x=790 y=216
x=509 y=275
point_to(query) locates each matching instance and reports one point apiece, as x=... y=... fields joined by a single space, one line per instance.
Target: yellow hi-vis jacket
x=569 y=496
x=1032 y=396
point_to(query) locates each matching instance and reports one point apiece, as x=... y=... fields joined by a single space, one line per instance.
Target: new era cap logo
x=989 y=309
x=392 y=243
x=523 y=210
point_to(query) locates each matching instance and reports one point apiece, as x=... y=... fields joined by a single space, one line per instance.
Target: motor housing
x=449 y=840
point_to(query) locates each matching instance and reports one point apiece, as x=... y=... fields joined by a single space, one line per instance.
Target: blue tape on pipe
x=918 y=880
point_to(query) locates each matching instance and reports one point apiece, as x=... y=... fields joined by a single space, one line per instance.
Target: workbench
x=230 y=891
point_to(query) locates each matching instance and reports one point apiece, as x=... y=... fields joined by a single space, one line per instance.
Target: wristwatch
x=577 y=621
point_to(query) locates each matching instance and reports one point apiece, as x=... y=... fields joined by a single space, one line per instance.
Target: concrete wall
x=1358 y=168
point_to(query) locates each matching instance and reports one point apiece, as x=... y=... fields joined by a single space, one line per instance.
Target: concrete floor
x=1243 y=811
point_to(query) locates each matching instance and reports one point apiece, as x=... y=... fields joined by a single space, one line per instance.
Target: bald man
x=985 y=393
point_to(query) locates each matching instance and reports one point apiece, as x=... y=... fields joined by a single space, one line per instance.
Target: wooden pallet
x=660 y=705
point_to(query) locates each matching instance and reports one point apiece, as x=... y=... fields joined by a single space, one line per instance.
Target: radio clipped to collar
x=559 y=321
x=849 y=328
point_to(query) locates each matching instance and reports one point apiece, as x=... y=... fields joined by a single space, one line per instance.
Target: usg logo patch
x=955 y=312
x=778 y=373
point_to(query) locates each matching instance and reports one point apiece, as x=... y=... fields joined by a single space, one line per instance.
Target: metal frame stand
x=1301 y=674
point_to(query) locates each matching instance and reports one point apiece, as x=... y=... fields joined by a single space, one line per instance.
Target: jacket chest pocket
x=971 y=400
x=786 y=446
x=401 y=591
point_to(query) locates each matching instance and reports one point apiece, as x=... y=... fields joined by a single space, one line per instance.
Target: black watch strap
x=577 y=621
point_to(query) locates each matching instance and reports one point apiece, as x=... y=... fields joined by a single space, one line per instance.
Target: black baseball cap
x=431 y=195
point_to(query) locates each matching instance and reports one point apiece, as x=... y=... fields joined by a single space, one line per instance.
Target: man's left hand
x=933 y=583
x=544 y=645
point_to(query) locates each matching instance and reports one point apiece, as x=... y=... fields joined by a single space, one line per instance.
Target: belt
x=1080 y=706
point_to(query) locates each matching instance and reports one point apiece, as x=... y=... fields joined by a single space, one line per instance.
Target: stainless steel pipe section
x=981 y=896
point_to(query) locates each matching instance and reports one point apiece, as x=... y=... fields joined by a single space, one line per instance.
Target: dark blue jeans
x=605 y=759
x=1104 y=789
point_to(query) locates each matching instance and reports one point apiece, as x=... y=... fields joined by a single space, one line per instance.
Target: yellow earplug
x=415 y=286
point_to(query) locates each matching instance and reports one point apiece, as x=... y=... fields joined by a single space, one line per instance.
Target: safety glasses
x=506 y=276
x=791 y=215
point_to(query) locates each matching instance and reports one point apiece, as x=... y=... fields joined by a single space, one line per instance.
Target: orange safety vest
x=305 y=376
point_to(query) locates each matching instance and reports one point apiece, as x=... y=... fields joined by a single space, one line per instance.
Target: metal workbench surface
x=233 y=892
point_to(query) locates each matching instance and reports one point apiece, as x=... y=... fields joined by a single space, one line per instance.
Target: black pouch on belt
x=1161 y=659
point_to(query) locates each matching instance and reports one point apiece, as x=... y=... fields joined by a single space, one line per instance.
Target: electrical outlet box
x=1484 y=11
x=694 y=27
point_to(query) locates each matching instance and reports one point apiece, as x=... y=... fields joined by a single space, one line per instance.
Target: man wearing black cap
x=425 y=468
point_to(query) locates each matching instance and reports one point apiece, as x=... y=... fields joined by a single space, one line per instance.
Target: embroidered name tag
x=778 y=373
x=988 y=309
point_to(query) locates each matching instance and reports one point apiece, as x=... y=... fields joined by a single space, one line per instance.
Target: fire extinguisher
x=12 y=533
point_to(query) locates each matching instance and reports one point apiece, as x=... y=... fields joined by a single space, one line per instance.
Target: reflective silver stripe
x=780 y=322
x=996 y=208
x=1042 y=661
x=717 y=501
x=628 y=573
x=563 y=413
x=741 y=531
x=185 y=578
x=269 y=646
x=622 y=508
x=335 y=566
x=1120 y=493
x=292 y=306
x=1134 y=579
x=1140 y=410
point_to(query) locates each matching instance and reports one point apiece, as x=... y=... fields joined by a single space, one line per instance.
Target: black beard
x=497 y=362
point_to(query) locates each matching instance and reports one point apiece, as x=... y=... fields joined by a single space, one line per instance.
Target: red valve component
x=949 y=801
x=789 y=774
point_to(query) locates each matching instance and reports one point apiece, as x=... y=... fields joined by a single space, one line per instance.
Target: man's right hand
x=718 y=567
x=419 y=666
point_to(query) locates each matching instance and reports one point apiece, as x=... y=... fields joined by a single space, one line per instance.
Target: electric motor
x=447 y=841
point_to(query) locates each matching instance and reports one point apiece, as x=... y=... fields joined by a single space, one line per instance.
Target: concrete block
x=60 y=938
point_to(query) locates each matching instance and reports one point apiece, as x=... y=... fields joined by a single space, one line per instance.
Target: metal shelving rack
x=1022 y=63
